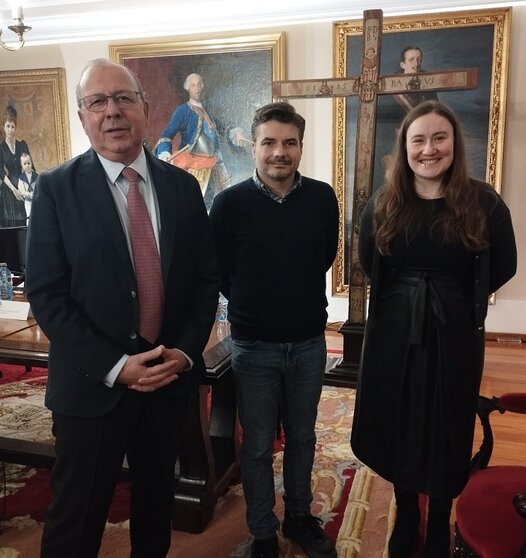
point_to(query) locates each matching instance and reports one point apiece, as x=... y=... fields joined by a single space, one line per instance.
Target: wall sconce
x=19 y=28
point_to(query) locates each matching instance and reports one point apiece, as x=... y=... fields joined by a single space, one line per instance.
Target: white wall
x=309 y=55
x=509 y=313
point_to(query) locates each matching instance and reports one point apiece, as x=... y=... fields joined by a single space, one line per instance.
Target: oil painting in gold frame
x=448 y=41
x=237 y=74
x=39 y=98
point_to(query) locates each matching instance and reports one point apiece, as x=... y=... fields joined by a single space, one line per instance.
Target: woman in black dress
x=12 y=208
x=435 y=243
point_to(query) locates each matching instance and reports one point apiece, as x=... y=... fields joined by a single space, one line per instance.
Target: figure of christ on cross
x=367 y=86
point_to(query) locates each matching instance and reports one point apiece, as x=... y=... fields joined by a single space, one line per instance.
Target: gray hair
x=105 y=62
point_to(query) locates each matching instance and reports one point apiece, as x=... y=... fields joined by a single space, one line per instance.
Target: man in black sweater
x=277 y=235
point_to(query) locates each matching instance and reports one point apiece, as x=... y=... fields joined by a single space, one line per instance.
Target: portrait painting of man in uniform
x=202 y=97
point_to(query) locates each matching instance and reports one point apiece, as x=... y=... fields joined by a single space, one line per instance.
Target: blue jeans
x=273 y=378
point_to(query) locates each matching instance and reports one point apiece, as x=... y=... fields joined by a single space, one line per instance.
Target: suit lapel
x=91 y=180
x=98 y=200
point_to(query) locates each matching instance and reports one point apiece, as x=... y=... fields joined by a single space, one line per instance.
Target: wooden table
x=209 y=458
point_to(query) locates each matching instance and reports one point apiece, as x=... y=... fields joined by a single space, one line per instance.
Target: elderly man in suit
x=123 y=360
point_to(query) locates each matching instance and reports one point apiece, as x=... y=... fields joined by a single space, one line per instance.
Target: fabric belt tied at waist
x=426 y=299
x=425 y=291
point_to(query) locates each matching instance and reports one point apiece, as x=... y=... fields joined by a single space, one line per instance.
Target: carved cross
x=367 y=86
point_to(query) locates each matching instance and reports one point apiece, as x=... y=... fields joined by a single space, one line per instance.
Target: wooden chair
x=491 y=510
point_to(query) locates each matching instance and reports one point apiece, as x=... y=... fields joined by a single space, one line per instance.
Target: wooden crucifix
x=367 y=86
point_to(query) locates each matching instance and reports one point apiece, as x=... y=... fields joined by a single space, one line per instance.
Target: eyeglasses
x=99 y=102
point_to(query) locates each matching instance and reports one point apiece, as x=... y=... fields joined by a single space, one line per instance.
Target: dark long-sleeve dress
x=424 y=350
x=12 y=211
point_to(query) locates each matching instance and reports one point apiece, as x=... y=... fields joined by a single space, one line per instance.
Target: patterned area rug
x=22 y=412
x=355 y=504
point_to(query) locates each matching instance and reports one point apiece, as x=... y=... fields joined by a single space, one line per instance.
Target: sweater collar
x=265 y=190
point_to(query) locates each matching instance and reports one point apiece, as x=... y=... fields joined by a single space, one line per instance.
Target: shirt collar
x=113 y=169
x=268 y=192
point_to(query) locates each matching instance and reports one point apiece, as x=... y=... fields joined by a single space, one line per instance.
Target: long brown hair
x=396 y=205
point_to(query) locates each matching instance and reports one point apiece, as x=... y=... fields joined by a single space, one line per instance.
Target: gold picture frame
x=39 y=97
x=448 y=41
x=237 y=73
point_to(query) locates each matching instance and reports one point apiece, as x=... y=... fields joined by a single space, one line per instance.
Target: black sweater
x=274 y=257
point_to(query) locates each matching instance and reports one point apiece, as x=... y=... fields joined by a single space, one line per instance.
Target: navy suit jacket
x=81 y=284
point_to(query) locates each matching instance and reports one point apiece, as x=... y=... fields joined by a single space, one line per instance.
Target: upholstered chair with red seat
x=491 y=510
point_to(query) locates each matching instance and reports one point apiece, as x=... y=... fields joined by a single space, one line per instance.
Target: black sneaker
x=265 y=548
x=307 y=532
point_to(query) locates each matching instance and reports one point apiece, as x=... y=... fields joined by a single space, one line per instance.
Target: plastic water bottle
x=222 y=309
x=6 y=282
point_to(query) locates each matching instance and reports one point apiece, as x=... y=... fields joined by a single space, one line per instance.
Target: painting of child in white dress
x=27 y=181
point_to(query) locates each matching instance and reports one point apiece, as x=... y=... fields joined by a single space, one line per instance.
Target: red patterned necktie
x=147 y=261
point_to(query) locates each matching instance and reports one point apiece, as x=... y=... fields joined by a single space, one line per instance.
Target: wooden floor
x=504 y=372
